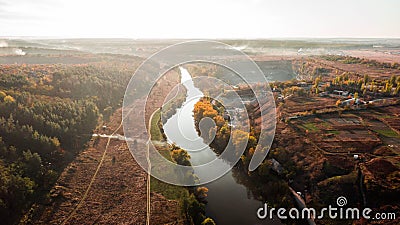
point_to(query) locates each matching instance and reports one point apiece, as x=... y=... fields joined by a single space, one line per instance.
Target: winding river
x=229 y=203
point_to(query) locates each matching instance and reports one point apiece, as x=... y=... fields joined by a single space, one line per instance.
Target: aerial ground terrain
x=338 y=133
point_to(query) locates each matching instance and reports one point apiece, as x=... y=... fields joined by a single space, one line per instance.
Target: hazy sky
x=201 y=18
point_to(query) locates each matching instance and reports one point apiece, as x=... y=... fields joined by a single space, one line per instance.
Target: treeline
x=193 y=205
x=356 y=60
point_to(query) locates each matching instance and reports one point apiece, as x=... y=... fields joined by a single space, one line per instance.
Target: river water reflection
x=229 y=203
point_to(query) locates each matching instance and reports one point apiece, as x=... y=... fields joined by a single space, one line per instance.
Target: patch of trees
x=37 y=138
x=193 y=205
x=13 y=81
x=202 y=109
x=16 y=191
x=105 y=87
x=195 y=211
x=180 y=156
x=356 y=60
x=294 y=90
x=71 y=122
x=222 y=131
x=384 y=87
x=24 y=176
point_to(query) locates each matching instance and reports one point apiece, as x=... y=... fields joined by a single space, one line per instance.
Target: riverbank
x=228 y=200
x=191 y=199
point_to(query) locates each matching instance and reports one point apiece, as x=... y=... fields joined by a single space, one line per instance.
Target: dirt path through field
x=118 y=193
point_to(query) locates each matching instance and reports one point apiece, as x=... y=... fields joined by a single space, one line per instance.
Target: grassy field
x=310 y=127
x=155 y=132
x=169 y=191
x=333 y=132
x=388 y=133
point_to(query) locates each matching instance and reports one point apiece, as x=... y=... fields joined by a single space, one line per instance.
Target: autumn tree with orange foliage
x=240 y=139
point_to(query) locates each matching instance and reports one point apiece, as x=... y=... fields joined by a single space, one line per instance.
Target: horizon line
x=186 y=38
